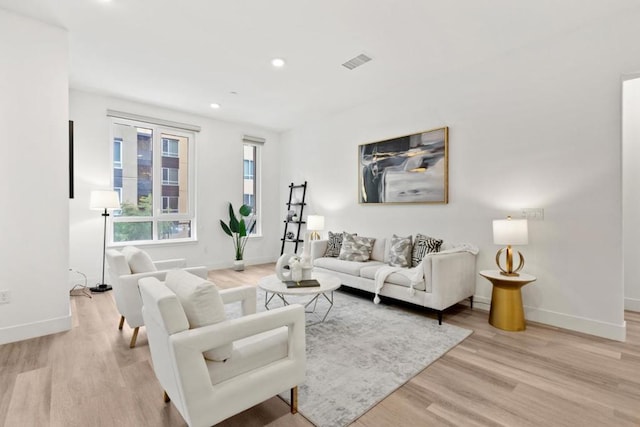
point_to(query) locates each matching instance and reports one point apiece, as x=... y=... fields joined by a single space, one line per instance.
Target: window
x=169 y=176
x=251 y=182
x=117 y=153
x=170 y=147
x=153 y=173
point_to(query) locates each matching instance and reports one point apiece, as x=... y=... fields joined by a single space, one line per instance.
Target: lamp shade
x=104 y=199
x=315 y=222
x=510 y=232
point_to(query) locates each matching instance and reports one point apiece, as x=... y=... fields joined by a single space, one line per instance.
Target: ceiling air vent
x=357 y=61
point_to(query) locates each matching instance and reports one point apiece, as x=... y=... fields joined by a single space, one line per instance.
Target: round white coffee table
x=273 y=287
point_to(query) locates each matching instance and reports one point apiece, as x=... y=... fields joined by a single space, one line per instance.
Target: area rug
x=362 y=353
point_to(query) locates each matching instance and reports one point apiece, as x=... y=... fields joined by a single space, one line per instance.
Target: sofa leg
x=471 y=302
x=294 y=400
x=166 y=397
x=440 y=317
x=134 y=337
x=121 y=322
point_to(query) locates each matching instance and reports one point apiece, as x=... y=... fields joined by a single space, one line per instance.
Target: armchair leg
x=294 y=400
x=121 y=322
x=440 y=317
x=167 y=399
x=471 y=302
x=134 y=337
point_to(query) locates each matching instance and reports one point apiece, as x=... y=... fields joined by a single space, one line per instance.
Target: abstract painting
x=407 y=169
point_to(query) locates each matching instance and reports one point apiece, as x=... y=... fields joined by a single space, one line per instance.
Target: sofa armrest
x=244 y=294
x=127 y=294
x=452 y=278
x=168 y=264
x=189 y=345
x=318 y=248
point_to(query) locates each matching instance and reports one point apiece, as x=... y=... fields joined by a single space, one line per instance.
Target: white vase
x=238 y=265
x=296 y=270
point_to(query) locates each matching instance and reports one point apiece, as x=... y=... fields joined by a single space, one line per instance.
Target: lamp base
x=101 y=287
x=314 y=235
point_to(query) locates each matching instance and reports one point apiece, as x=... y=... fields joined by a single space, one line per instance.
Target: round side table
x=506 y=300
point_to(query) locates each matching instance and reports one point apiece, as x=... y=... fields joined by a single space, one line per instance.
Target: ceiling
x=188 y=54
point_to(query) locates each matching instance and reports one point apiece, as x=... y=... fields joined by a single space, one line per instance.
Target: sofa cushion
x=342 y=266
x=424 y=245
x=118 y=265
x=400 y=251
x=139 y=261
x=379 y=250
x=202 y=305
x=334 y=244
x=369 y=272
x=356 y=248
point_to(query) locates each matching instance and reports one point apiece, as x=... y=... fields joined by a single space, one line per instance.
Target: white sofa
x=267 y=356
x=443 y=279
x=124 y=280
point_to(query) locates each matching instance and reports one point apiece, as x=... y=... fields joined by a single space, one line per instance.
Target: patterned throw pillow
x=400 y=251
x=424 y=245
x=355 y=248
x=334 y=245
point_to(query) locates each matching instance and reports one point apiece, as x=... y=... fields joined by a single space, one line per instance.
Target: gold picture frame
x=407 y=169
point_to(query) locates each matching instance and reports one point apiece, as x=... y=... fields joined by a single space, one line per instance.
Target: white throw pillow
x=139 y=261
x=202 y=305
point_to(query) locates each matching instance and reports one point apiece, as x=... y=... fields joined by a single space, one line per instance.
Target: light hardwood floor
x=543 y=376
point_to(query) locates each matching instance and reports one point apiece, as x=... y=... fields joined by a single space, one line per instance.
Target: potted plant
x=238 y=230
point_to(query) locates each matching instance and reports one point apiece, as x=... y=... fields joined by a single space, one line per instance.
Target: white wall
x=539 y=128
x=631 y=192
x=219 y=181
x=34 y=220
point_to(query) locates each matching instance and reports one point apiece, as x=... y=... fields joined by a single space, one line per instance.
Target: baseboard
x=632 y=304
x=561 y=320
x=253 y=261
x=35 y=329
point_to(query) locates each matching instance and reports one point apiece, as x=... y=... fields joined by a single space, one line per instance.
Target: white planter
x=238 y=265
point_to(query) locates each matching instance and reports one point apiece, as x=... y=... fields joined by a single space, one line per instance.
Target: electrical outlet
x=5 y=297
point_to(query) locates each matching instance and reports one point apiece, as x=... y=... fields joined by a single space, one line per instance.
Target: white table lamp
x=315 y=223
x=510 y=232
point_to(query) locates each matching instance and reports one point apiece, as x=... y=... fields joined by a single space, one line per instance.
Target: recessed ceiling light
x=215 y=106
x=277 y=62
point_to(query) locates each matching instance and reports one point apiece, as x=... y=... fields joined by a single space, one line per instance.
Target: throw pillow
x=139 y=261
x=333 y=245
x=202 y=305
x=356 y=248
x=424 y=245
x=400 y=251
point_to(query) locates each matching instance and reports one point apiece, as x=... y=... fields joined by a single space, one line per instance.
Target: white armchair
x=129 y=266
x=266 y=355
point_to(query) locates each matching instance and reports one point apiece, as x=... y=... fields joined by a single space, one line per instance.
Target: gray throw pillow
x=424 y=245
x=334 y=245
x=400 y=251
x=355 y=248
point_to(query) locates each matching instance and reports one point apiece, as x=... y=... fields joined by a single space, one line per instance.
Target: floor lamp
x=103 y=200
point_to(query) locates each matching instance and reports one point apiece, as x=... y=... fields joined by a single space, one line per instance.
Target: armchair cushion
x=202 y=305
x=139 y=261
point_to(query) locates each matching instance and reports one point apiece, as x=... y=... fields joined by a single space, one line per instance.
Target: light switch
x=532 y=214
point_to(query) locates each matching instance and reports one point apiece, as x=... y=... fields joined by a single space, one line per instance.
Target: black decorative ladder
x=298 y=208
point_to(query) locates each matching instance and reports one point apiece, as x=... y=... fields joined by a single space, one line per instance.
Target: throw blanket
x=415 y=274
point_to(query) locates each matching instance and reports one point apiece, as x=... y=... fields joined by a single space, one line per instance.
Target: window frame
x=157 y=214
x=257 y=173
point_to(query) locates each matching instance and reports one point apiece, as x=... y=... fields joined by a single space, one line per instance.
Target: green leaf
x=225 y=228
x=242 y=228
x=233 y=221
x=245 y=210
